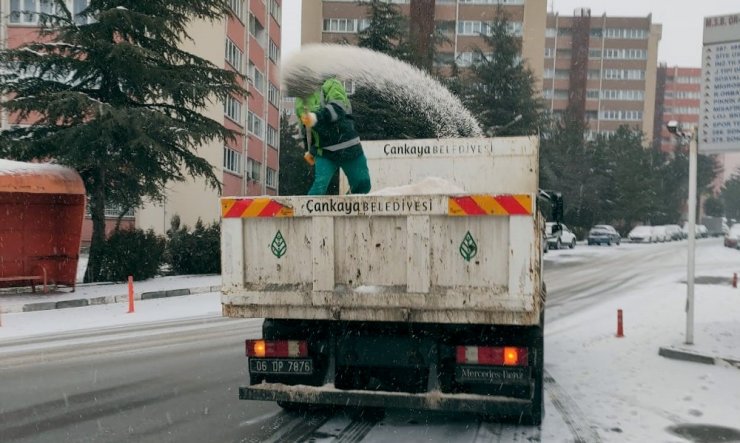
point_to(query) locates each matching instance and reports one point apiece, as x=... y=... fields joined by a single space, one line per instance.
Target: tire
x=572 y=244
x=609 y=243
x=537 y=413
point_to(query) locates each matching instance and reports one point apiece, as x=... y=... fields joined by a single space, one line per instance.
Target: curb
x=110 y=299
x=694 y=357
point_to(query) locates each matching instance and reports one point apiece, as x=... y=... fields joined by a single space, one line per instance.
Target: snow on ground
x=628 y=391
x=583 y=252
x=28 y=324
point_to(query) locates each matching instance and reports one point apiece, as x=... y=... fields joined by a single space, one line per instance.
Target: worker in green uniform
x=331 y=139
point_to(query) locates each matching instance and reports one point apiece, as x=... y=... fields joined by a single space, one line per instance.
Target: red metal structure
x=41 y=211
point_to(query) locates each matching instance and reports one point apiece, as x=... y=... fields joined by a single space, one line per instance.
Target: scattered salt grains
x=404 y=84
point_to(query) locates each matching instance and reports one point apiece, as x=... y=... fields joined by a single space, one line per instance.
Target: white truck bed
x=463 y=258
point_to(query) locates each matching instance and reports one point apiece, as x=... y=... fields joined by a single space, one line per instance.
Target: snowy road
x=176 y=380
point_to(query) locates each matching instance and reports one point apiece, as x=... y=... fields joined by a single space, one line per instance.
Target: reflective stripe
x=347 y=108
x=343 y=145
x=332 y=112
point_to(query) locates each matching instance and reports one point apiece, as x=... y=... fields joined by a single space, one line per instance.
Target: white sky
x=681 y=19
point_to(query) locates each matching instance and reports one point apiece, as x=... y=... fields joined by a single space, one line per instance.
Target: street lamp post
x=673 y=128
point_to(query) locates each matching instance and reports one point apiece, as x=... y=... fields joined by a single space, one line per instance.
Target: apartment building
x=603 y=69
x=247 y=42
x=460 y=21
x=677 y=97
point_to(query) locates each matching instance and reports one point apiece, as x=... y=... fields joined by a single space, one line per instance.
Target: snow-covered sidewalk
x=629 y=392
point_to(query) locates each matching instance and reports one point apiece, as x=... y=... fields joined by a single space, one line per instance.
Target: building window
x=593 y=74
x=274 y=52
x=26 y=11
x=340 y=25
x=255 y=125
x=549 y=73
x=547 y=93
x=271 y=178
x=549 y=52
x=233 y=109
x=688 y=80
x=624 y=74
x=560 y=94
x=272 y=136
x=621 y=115
x=594 y=53
x=470 y=58
x=564 y=53
x=687 y=95
x=623 y=94
x=625 y=54
x=592 y=94
x=257 y=77
x=254 y=169
x=551 y=32
x=273 y=95
x=627 y=33
x=597 y=32
x=234 y=55
x=257 y=30
x=232 y=161
x=276 y=11
x=474 y=27
x=237 y=8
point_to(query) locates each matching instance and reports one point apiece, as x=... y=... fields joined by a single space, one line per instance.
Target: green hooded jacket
x=333 y=136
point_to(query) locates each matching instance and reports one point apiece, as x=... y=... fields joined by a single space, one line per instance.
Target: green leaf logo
x=468 y=247
x=278 y=245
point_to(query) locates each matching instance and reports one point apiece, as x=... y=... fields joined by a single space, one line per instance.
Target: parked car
x=732 y=238
x=558 y=238
x=698 y=231
x=604 y=234
x=641 y=234
x=674 y=231
x=703 y=231
x=660 y=234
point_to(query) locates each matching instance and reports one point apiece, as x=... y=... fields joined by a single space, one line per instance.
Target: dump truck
x=431 y=300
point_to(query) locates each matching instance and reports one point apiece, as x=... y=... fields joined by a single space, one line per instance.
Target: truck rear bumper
x=329 y=395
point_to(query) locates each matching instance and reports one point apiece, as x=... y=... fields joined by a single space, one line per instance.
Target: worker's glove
x=308 y=119
x=309 y=158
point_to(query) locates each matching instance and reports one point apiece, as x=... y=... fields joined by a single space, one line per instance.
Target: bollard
x=734 y=280
x=130 y=294
x=620 y=328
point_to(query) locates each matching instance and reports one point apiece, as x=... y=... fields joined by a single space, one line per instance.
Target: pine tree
x=387 y=31
x=296 y=175
x=111 y=94
x=730 y=196
x=502 y=86
x=377 y=116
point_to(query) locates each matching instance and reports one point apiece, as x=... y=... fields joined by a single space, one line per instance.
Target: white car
x=732 y=238
x=642 y=234
x=561 y=238
x=660 y=234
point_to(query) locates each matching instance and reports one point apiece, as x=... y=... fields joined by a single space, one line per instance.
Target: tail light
x=492 y=355
x=277 y=348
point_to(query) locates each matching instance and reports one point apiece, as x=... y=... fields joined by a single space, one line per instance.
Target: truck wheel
x=537 y=413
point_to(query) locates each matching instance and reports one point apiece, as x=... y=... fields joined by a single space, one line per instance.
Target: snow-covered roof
x=39 y=178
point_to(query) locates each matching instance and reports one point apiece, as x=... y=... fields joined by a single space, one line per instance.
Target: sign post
x=719 y=126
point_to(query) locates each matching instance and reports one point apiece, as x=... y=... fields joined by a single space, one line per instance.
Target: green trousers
x=355 y=170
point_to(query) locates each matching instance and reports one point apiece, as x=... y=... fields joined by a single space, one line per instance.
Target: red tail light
x=492 y=356
x=277 y=348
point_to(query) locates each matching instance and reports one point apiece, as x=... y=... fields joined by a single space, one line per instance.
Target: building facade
x=603 y=69
x=460 y=21
x=248 y=42
x=677 y=97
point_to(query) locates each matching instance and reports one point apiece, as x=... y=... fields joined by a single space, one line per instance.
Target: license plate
x=281 y=366
x=492 y=374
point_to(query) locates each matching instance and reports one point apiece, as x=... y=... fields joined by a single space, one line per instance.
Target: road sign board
x=719 y=127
